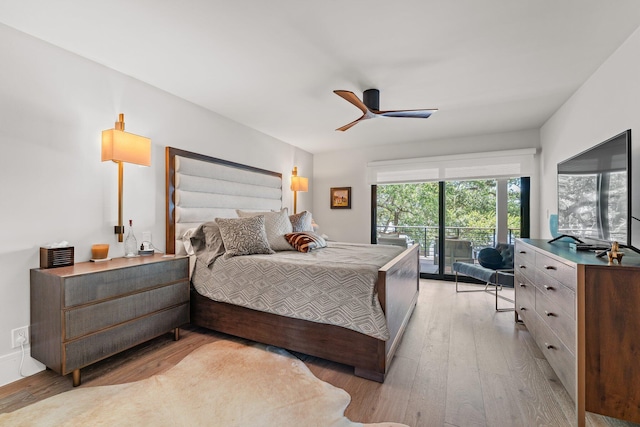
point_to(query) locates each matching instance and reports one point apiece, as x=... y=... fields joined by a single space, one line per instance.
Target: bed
x=200 y=188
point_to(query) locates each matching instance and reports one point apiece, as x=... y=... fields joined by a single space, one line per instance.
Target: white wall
x=53 y=107
x=348 y=169
x=607 y=104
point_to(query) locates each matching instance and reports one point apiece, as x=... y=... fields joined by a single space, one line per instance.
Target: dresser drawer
x=84 y=351
x=524 y=267
x=90 y=318
x=560 y=322
x=563 y=273
x=559 y=357
x=525 y=253
x=557 y=292
x=525 y=299
x=85 y=288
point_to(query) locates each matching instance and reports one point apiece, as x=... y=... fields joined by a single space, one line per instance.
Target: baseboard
x=10 y=366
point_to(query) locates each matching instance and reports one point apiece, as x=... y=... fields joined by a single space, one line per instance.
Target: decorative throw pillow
x=207 y=243
x=276 y=224
x=244 y=236
x=301 y=221
x=305 y=241
x=490 y=258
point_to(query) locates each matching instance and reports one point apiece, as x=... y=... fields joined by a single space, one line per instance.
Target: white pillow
x=186 y=241
x=276 y=224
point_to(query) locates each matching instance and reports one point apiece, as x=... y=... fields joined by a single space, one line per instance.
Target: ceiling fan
x=370 y=105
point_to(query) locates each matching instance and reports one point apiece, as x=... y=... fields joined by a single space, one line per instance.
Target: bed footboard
x=398 y=286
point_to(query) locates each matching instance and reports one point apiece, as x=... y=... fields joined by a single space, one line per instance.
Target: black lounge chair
x=497 y=270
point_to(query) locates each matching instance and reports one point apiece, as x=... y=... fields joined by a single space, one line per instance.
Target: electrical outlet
x=19 y=334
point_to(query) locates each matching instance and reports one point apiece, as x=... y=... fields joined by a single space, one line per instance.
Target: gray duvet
x=333 y=285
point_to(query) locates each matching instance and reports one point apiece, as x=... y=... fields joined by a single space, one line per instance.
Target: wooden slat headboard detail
x=200 y=188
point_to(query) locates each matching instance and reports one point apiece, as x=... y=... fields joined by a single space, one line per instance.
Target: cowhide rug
x=219 y=384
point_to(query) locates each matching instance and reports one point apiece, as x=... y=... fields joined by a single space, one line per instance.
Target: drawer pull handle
x=523 y=308
x=549 y=288
x=522 y=285
x=522 y=266
x=523 y=252
x=549 y=314
x=549 y=267
x=549 y=346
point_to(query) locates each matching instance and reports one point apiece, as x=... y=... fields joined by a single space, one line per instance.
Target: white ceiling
x=489 y=66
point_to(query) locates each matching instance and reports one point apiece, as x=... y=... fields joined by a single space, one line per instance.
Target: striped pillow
x=305 y=241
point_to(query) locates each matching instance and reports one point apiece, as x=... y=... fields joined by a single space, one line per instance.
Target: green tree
x=407 y=205
x=468 y=204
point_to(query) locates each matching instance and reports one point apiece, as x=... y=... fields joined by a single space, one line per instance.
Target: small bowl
x=99 y=251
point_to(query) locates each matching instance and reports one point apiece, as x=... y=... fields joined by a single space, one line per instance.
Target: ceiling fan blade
x=347 y=126
x=421 y=114
x=369 y=106
x=352 y=98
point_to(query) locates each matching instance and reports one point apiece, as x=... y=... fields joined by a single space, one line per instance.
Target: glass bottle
x=130 y=243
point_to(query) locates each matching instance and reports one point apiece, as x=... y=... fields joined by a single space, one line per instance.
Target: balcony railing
x=427 y=236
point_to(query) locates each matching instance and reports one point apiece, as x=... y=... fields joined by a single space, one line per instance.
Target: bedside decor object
x=130 y=243
x=123 y=147
x=341 y=198
x=298 y=183
x=56 y=255
x=99 y=251
x=146 y=249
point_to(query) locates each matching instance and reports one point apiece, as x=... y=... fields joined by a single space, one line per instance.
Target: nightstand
x=89 y=311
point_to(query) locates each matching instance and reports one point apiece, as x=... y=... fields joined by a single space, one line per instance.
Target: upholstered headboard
x=201 y=188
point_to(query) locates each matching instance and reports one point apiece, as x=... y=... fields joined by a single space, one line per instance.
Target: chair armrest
x=505 y=270
x=507 y=275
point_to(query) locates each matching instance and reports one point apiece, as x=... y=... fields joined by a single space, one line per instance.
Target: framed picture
x=341 y=198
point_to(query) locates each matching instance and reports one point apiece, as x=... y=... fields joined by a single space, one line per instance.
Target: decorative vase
x=553 y=225
x=130 y=243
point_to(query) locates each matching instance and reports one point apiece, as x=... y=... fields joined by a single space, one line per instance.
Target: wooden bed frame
x=397 y=289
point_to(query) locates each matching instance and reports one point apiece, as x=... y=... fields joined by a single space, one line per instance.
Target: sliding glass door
x=469 y=214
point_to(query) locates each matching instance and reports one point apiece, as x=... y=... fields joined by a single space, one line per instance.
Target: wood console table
x=583 y=314
x=89 y=311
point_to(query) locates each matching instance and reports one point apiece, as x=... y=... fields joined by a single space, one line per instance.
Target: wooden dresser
x=582 y=312
x=89 y=311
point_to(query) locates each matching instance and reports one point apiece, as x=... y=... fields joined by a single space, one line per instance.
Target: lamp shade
x=299 y=183
x=121 y=146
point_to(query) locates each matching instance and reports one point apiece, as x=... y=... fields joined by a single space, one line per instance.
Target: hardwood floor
x=460 y=364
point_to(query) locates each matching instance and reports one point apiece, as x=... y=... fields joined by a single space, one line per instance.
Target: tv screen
x=593 y=192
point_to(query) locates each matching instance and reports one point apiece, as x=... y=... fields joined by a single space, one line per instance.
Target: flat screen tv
x=594 y=193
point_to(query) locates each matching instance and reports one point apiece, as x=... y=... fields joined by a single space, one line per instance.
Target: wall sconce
x=298 y=183
x=123 y=147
